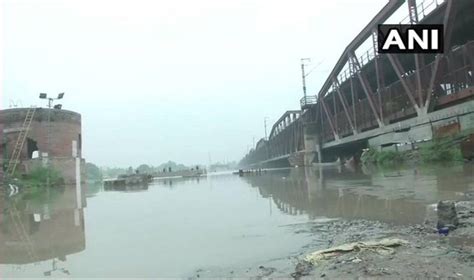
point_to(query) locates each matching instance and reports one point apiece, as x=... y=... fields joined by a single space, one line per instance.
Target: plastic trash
x=444 y=231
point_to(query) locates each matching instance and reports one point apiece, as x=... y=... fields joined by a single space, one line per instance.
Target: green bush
x=369 y=156
x=389 y=157
x=372 y=156
x=39 y=177
x=440 y=151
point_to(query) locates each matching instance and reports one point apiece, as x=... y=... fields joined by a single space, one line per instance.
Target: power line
x=312 y=69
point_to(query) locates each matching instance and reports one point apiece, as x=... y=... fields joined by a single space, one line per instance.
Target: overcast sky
x=172 y=80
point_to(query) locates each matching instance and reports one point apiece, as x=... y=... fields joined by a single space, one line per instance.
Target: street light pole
x=48 y=143
x=48 y=139
x=50 y=104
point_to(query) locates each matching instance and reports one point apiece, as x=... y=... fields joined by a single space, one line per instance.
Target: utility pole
x=50 y=104
x=303 y=75
x=265 y=126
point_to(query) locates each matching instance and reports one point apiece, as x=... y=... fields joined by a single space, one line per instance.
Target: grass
x=437 y=151
x=389 y=157
x=442 y=150
x=372 y=156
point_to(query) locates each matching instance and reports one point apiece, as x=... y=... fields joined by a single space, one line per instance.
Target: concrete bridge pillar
x=312 y=146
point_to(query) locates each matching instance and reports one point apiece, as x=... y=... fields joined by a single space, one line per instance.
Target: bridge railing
x=454 y=83
x=424 y=8
x=307 y=101
x=455 y=79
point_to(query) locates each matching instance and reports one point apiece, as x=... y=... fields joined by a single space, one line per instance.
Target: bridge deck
x=370 y=98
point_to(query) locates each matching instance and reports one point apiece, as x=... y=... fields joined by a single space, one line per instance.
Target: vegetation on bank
x=38 y=177
x=441 y=151
x=144 y=168
x=373 y=156
x=93 y=172
x=437 y=151
x=34 y=184
x=113 y=172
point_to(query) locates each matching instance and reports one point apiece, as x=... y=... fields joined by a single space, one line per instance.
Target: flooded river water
x=175 y=227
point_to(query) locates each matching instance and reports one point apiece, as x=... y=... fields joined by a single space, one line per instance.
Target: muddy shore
x=426 y=255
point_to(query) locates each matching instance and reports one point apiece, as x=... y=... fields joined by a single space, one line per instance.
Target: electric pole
x=303 y=75
x=265 y=126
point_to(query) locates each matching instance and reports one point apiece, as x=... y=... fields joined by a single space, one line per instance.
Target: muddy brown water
x=174 y=227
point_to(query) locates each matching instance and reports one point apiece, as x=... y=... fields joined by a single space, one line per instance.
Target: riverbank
x=426 y=254
x=357 y=214
x=446 y=150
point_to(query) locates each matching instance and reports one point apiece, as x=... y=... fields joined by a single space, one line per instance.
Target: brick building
x=63 y=132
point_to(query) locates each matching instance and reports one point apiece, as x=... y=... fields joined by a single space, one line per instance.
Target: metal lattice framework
x=367 y=90
x=371 y=90
x=286 y=137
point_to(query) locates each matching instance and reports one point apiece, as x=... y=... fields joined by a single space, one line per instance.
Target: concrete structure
x=59 y=140
x=390 y=100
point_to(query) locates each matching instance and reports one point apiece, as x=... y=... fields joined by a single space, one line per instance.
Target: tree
x=144 y=168
x=93 y=172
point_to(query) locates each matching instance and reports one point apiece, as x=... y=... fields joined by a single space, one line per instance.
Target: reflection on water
x=127 y=188
x=398 y=196
x=173 y=182
x=175 y=226
x=42 y=229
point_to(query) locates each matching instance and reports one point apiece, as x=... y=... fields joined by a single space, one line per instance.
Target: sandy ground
x=427 y=254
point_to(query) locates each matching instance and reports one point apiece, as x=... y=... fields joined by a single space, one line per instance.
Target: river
x=175 y=227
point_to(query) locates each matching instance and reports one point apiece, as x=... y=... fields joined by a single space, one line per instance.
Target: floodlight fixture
x=61 y=95
x=43 y=95
x=58 y=106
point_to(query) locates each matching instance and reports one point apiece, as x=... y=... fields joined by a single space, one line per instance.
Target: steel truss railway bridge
x=388 y=101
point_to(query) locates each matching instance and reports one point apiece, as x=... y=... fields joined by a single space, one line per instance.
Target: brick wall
x=65 y=126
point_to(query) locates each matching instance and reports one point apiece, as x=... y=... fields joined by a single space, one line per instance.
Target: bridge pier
x=312 y=144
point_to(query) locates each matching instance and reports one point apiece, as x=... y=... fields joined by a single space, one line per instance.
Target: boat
x=128 y=179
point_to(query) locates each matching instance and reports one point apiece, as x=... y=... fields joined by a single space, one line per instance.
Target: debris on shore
x=447 y=216
x=382 y=247
x=373 y=249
